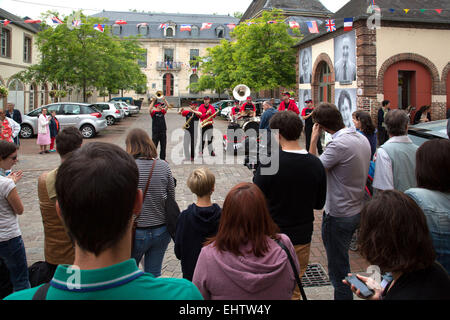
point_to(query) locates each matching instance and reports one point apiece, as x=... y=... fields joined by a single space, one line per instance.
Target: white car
x=225 y=112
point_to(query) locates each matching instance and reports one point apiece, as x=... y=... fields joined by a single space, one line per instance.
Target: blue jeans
x=336 y=235
x=13 y=254
x=152 y=244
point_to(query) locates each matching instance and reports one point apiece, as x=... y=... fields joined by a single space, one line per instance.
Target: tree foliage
x=261 y=56
x=86 y=58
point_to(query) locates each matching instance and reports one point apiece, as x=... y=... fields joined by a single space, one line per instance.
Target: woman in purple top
x=243 y=261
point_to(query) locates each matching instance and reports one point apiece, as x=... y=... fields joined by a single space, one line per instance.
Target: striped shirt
x=161 y=186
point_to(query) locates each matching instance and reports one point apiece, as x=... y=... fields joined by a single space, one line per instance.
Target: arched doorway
x=322 y=80
x=168 y=84
x=16 y=95
x=193 y=79
x=325 y=83
x=407 y=83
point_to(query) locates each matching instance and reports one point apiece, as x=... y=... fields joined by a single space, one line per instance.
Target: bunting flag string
x=99 y=27
x=5 y=22
x=56 y=20
x=331 y=25
x=294 y=25
x=206 y=25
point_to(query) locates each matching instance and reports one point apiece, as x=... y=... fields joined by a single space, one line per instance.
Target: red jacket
x=203 y=110
x=292 y=106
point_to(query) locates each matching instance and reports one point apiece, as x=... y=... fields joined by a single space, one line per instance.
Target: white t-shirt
x=9 y=222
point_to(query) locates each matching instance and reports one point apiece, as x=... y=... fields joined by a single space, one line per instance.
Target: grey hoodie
x=225 y=276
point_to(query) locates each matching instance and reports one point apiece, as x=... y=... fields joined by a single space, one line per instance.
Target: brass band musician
x=191 y=129
x=208 y=113
x=157 y=111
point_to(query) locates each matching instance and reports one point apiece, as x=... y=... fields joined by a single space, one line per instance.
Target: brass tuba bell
x=159 y=94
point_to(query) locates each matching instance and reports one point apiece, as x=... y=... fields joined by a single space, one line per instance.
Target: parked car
x=112 y=111
x=422 y=132
x=88 y=120
x=129 y=109
x=219 y=105
x=128 y=100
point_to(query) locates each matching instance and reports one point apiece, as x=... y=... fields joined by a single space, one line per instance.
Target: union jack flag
x=56 y=20
x=330 y=24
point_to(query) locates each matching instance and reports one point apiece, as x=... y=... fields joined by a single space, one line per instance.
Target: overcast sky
x=33 y=8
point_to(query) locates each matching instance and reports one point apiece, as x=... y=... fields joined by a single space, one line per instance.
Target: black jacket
x=194 y=226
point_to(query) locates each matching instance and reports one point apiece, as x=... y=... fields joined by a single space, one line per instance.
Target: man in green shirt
x=98 y=197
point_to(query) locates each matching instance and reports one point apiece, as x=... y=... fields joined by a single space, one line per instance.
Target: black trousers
x=190 y=140
x=160 y=137
x=308 y=133
x=207 y=133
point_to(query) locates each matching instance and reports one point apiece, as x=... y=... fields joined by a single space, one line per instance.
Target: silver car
x=129 y=109
x=112 y=111
x=80 y=115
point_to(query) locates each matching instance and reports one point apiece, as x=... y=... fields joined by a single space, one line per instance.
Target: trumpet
x=208 y=120
x=160 y=95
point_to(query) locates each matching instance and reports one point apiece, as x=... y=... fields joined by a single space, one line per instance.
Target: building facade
x=18 y=52
x=404 y=59
x=171 y=42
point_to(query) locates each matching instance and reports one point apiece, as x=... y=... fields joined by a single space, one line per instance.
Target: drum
x=251 y=125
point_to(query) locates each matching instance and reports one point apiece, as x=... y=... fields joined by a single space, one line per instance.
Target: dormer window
x=169 y=32
x=116 y=30
x=142 y=29
x=195 y=32
x=220 y=32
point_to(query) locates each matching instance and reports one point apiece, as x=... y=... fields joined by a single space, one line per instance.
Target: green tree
x=261 y=56
x=86 y=58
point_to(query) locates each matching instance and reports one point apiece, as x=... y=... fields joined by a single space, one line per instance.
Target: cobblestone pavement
x=227 y=176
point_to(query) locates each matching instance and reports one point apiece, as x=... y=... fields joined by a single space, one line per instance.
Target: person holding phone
x=394 y=236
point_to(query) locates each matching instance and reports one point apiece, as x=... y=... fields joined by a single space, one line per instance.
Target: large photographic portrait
x=303 y=95
x=345 y=57
x=305 y=65
x=346 y=103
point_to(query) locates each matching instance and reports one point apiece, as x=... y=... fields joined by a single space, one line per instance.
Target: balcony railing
x=168 y=66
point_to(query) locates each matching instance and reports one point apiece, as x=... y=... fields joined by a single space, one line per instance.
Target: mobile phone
x=365 y=291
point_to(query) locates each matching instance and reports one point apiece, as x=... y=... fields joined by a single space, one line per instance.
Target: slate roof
x=358 y=10
x=155 y=19
x=303 y=7
x=18 y=21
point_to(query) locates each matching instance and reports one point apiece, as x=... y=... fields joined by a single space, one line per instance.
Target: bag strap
x=41 y=293
x=149 y=178
x=297 y=278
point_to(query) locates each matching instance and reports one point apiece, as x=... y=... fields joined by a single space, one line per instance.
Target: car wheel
x=87 y=131
x=110 y=120
x=26 y=131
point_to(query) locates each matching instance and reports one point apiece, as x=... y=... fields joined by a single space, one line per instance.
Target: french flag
x=185 y=27
x=56 y=20
x=312 y=26
x=348 y=24
x=99 y=27
x=206 y=25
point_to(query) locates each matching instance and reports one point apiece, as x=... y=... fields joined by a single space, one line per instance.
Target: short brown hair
x=328 y=116
x=245 y=219
x=396 y=122
x=201 y=181
x=68 y=140
x=394 y=234
x=433 y=165
x=138 y=144
x=7 y=149
x=288 y=124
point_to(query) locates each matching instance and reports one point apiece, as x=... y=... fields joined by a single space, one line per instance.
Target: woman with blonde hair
x=152 y=237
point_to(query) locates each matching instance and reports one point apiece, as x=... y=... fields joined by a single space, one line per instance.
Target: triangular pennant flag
x=406 y=10
x=32 y=21
x=99 y=27
x=294 y=25
x=206 y=25
x=56 y=20
x=438 y=10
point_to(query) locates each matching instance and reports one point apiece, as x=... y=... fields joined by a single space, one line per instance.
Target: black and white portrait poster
x=303 y=94
x=305 y=65
x=345 y=57
x=346 y=103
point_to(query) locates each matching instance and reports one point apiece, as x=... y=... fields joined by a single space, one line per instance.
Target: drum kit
x=243 y=127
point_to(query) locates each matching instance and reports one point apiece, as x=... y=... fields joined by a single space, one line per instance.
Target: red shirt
x=155 y=111
x=203 y=110
x=247 y=106
x=233 y=110
x=292 y=106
